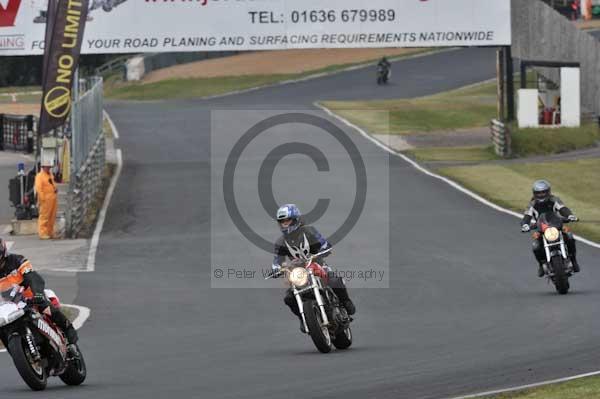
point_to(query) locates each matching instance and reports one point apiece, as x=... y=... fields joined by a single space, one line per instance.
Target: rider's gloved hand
x=42 y=302
x=573 y=218
x=39 y=299
x=275 y=270
x=525 y=228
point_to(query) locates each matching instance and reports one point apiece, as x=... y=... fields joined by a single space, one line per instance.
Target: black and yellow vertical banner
x=64 y=35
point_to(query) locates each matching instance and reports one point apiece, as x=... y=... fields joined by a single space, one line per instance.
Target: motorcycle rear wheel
x=561 y=281
x=318 y=333
x=35 y=379
x=343 y=339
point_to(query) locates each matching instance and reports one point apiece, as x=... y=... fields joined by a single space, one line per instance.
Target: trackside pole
x=510 y=85
x=500 y=83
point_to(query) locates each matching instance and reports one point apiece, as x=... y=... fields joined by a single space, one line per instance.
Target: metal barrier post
x=1 y=132
x=30 y=134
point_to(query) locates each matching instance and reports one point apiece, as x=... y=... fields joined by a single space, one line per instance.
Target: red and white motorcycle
x=37 y=346
x=325 y=319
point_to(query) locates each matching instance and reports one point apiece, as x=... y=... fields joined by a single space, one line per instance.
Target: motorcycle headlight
x=551 y=234
x=298 y=276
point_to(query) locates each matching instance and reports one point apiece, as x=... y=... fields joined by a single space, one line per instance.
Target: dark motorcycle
x=325 y=319
x=559 y=266
x=37 y=346
x=383 y=74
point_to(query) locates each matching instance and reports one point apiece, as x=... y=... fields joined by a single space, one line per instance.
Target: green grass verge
x=189 y=88
x=584 y=388
x=468 y=107
x=19 y=89
x=22 y=98
x=203 y=87
x=509 y=185
x=545 y=141
x=464 y=154
x=108 y=132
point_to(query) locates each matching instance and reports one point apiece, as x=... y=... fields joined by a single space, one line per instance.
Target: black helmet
x=541 y=191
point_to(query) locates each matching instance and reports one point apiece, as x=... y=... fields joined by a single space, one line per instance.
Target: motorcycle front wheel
x=318 y=333
x=561 y=280
x=33 y=373
x=76 y=371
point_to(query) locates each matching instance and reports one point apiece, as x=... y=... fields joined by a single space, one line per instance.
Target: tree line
x=27 y=70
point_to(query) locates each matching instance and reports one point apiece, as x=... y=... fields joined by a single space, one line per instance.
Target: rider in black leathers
x=298 y=242
x=542 y=202
x=385 y=64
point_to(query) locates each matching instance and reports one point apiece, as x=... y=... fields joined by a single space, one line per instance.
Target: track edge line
x=426 y=171
x=528 y=386
x=91 y=262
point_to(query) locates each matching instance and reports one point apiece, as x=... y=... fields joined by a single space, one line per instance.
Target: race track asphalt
x=464 y=311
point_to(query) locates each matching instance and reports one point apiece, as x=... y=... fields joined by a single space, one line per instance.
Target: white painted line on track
x=112 y=125
x=522 y=387
x=82 y=316
x=91 y=262
x=434 y=175
x=483 y=201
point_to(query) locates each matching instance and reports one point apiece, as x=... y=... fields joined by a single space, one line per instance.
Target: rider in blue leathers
x=299 y=241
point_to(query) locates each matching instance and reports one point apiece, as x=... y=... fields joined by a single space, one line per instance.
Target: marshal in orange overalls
x=47 y=202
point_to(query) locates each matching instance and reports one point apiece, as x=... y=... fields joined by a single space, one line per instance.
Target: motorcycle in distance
x=37 y=346
x=559 y=267
x=325 y=319
x=383 y=74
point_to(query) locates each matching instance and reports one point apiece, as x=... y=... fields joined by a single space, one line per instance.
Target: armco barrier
x=84 y=187
x=87 y=155
x=500 y=138
x=17 y=133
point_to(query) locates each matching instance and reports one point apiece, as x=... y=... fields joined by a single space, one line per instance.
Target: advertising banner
x=133 y=26
x=65 y=33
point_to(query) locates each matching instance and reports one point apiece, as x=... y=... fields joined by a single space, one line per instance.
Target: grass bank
x=509 y=185
x=204 y=87
x=19 y=89
x=472 y=106
x=190 y=88
x=584 y=388
x=544 y=141
x=449 y=154
x=465 y=108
